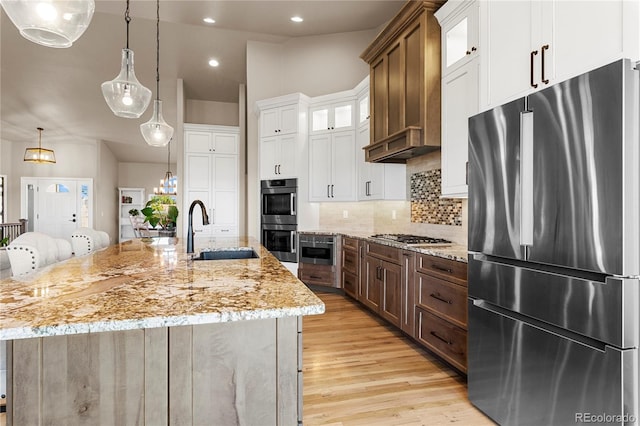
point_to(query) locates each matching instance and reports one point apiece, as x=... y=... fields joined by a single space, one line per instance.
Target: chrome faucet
x=190 y=231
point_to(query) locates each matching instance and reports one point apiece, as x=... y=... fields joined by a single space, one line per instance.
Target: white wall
x=73 y=160
x=105 y=190
x=209 y=112
x=312 y=65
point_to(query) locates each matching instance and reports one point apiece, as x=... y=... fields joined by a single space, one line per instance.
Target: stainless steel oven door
x=280 y=240
x=279 y=201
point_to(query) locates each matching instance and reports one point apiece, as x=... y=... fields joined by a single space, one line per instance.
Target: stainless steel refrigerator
x=554 y=253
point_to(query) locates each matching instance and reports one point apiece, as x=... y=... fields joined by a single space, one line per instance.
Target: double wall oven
x=279 y=219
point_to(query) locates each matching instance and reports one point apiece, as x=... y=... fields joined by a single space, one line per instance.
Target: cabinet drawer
x=446 y=299
x=350 y=284
x=443 y=268
x=350 y=261
x=443 y=338
x=392 y=254
x=317 y=274
x=351 y=243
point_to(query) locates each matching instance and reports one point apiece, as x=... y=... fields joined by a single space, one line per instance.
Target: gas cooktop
x=413 y=239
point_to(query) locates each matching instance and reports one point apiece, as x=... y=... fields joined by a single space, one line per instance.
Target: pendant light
x=125 y=95
x=156 y=131
x=50 y=23
x=168 y=185
x=39 y=154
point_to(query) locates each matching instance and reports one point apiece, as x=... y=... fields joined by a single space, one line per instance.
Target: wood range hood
x=404 y=61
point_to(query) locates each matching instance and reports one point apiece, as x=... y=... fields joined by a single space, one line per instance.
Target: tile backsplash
x=426 y=204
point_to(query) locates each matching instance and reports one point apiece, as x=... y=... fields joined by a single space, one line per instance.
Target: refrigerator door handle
x=526 y=178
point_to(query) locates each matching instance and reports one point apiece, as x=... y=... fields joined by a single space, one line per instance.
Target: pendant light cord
x=168 y=159
x=157 y=50
x=127 y=19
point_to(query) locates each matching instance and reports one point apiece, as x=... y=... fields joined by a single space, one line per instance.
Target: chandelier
x=39 y=155
x=169 y=184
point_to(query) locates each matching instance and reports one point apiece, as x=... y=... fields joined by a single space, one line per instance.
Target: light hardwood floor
x=359 y=371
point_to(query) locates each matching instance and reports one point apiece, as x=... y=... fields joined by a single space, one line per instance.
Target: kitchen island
x=138 y=333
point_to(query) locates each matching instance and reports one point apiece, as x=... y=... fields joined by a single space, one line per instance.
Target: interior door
x=57 y=206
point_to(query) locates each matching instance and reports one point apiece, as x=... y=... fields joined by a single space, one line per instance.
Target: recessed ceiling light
x=296 y=19
x=209 y=20
x=213 y=63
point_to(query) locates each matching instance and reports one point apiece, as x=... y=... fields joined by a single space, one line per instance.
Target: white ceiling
x=59 y=89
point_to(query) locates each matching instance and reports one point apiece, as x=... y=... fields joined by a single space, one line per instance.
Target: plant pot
x=167 y=233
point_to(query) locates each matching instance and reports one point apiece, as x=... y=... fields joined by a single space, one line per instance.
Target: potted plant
x=134 y=212
x=161 y=211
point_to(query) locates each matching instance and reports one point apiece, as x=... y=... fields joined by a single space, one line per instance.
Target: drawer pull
x=440 y=298
x=441 y=268
x=315 y=277
x=437 y=336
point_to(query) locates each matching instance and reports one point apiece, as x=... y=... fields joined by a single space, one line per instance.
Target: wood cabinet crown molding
x=398 y=25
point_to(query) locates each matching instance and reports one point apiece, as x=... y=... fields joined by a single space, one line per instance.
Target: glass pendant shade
x=125 y=95
x=156 y=131
x=39 y=154
x=50 y=23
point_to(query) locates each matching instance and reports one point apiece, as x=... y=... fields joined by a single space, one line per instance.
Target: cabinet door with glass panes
x=335 y=116
x=459 y=21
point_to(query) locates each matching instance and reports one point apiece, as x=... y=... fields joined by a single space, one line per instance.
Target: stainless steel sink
x=226 y=254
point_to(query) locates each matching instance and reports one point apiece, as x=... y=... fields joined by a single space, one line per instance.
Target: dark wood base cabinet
x=324 y=275
x=442 y=338
x=441 y=308
x=350 y=261
x=424 y=296
x=382 y=281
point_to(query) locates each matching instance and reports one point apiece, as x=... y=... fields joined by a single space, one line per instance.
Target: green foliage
x=161 y=210
x=4 y=241
x=134 y=212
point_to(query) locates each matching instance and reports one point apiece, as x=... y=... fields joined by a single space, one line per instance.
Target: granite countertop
x=456 y=252
x=150 y=283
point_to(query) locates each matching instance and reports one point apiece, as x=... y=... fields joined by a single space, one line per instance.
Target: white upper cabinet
x=459 y=22
x=363 y=108
x=375 y=181
x=201 y=139
x=278 y=157
x=332 y=172
x=529 y=45
x=462 y=55
x=459 y=102
x=327 y=117
x=279 y=120
x=283 y=133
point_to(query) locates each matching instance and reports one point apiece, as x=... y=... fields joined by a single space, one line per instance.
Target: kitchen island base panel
x=243 y=372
